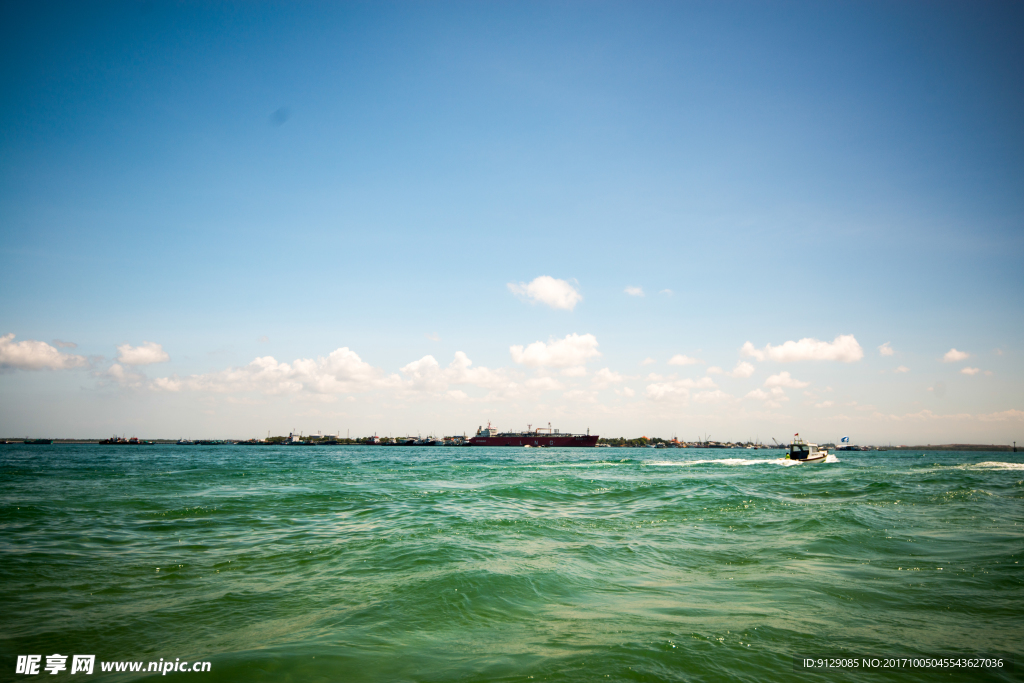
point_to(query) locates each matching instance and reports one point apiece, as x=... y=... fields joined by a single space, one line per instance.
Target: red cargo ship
x=535 y=438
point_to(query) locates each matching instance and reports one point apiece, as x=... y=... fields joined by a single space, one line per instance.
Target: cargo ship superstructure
x=535 y=438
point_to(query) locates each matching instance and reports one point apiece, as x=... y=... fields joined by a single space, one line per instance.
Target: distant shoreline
x=954 y=447
x=929 y=447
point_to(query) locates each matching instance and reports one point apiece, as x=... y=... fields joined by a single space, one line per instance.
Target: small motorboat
x=804 y=452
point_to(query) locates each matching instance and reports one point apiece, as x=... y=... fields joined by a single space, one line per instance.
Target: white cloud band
x=145 y=353
x=35 y=355
x=548 y=290
x=843 y=348
x=342 y=371
x=952 y=356
x=573 y=351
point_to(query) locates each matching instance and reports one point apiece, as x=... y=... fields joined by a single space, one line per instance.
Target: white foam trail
x=723 y=461
x=784 y=462
x=992 y=465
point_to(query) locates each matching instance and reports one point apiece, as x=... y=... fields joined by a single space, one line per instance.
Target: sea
x=364 y=564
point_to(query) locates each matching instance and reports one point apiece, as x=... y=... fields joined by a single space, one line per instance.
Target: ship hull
x=537 y=440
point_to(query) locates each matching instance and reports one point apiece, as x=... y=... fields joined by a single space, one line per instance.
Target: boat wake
x=993 y=465
x=783 y=462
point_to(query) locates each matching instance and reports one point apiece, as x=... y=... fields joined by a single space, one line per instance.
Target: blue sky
x=270 y=180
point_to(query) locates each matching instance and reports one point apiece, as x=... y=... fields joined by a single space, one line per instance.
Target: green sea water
x=477 y=564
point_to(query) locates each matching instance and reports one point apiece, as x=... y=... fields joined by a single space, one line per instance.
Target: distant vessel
x=38 y=442
x=121 y=441
x=185 y=442
x=845 y=445
x=804 y=452
x=540 y=437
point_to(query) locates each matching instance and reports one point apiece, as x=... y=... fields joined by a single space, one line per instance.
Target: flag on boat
x=845 y=439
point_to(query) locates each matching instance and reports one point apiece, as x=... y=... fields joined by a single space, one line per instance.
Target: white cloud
x=263 y=375
x=664 y=392
x=144 y=354
x=667 y=292
x=824 y=404
x=677 y=389
x=625 y=391
x=1003 y=416
x=64 y=344
x=648 y=361
x=970 y=371
x=902 y=368
x=680 y=359
x=748 y=351
x=885 y=350
x=1012 y=415
x=580 y=395
x=784 y=380
x=742 y=369
x=953 y=356
x=342 y=371
x=34 y=355
x=543 y=384
x=634 y=291
x=124 y=377
x=169 y=383
x=460 y=372
x=772 y=399
x=843 y=348
x=575 y=371
x=547 y=290
x=426 y=374
x=574 y=350
x=432 y=336
x=263 y=339
x=716 y=396
x=605 y=377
